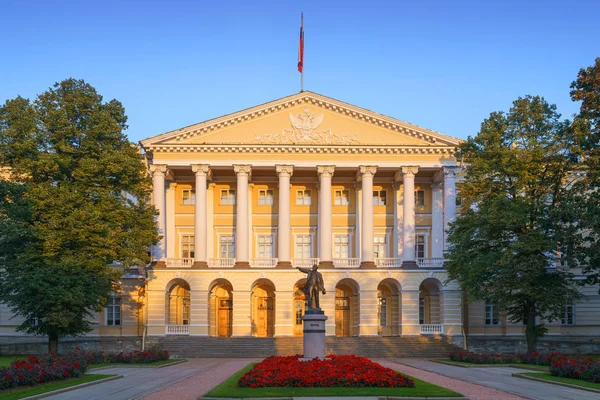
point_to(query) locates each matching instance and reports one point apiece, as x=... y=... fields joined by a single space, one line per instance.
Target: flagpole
x=302 y=73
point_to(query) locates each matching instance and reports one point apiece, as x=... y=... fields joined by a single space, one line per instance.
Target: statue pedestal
x=314 y=333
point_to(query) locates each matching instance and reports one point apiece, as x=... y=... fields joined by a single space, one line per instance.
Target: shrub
x=484 y=358
x=539 y=358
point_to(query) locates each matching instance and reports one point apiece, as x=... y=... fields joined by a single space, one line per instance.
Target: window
x=419 y=246
x=185 y=318
x=226 y=246
x=341 y=246
x=421 y=310
x=228 y=197
x=419 y=197
x=299 y=312
x=491 y=314
x=342 y=303
x=188 y=197
x=379 y=246
x=379 y=197
x=568 y=317
x=303 y=246
x=113 y=311
x=187 y=246
x=265 y=246
x=382 y=311
x=341 y=198
x=265 y=197
x=303 y=197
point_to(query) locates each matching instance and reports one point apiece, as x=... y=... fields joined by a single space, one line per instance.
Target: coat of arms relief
x=304 y=130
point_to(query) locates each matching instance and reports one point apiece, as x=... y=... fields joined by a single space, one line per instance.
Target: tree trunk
x=53 y=344
x=530 y=332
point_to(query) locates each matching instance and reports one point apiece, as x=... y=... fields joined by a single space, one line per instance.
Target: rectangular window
x=382 y=311
x=341 y=249
x=569 y=313
x=113 y=311
x=265 y=197
x=299 y=312
x=303 y=246
x=379 y=246
x=341 y=198
x=227 y=197
x=491 y=314
x=185 y=318
x=187 y=246
x=379 y=197
x=265 y=246
x=419 y=246
x=303 y=197
x=227 y=246
x=342 y=303
x=419 y=197
x=188 y=197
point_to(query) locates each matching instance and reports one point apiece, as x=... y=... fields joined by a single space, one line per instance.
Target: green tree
x=503 y=246
x=76 y=197
x=586 y=193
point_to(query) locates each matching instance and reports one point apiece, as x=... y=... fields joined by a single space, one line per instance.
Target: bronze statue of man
x=314 y=285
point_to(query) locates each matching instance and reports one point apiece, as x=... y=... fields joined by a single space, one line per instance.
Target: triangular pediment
x=303 y=119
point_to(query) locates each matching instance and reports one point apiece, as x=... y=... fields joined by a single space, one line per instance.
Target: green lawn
x=27 y=391
x=548 y=377
x=473 y=365
x=6 y=360
x=229 y=389
x=136 y=365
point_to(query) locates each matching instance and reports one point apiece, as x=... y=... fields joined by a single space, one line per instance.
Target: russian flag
x=301 y=46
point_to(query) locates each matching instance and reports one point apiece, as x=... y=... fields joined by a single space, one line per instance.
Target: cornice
x=306 y=98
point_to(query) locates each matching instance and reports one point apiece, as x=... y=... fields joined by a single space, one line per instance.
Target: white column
x=325 y=208
x=437 y=221
x=210 y=230
x=358 y=218
x=241 y=216
x=408 y=220
x=284 y=215
x=397 y=237
x=158 y=184
x=202 y=172
x=449 y=198
x=170 y=217
x=367 y=173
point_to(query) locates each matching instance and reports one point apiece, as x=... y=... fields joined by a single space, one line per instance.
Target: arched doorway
x=263 y=308
x=299 y=306
x=388 y=307
x=178 y=302
x=429 y=302
x=347 y=308
x=221 y=308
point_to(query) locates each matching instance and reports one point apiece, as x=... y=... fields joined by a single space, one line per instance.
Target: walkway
x=497 y=378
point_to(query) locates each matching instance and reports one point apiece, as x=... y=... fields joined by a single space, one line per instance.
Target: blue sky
x=444 y=65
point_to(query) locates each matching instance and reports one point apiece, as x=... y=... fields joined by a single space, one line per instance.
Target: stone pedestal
x=314 y=333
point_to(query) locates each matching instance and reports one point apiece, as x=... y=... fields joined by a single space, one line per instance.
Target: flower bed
x=539 y=358
x=485 y=358
x=335 y=371
x=131 y=357
x=586 y=369
x=34 y=370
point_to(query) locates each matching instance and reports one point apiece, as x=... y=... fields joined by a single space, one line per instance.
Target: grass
x=22 y=392
x=6 y=360
x=513 y=365
x=576 y=382
x=229 y=389
x=135 y=365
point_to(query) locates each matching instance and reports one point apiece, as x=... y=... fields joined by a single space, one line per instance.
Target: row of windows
x=303 y=197
x=492 y=314
x=303 y=246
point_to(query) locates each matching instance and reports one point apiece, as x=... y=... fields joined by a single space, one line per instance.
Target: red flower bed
x=586 y=369
x=34 y=370
x=537 y=358
x=336 y=371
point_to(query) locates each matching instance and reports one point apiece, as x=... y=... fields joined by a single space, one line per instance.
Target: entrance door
x=342 y=316
x=298 y=313
x=224 y=317
x=264 y=317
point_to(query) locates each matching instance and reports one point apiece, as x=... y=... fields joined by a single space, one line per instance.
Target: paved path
x=497 y=378
x=139 y=382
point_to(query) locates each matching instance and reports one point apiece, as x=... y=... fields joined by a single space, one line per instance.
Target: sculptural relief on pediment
x=305 y=130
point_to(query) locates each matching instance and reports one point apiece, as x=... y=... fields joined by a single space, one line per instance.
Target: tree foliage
x=75 y=199
x=503 y=246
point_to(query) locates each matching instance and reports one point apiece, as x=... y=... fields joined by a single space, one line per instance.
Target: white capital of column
x=449 y=198
x=158 y=185
x=408 y=220
x=241 y=215
x=202 y=172
x=284 y=214
x=366 y=174
x=437 y=221
x=325 y=208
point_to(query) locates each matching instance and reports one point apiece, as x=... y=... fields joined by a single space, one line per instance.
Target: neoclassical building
x=245 y=198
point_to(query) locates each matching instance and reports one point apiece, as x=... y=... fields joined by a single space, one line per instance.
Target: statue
x=314 y=285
